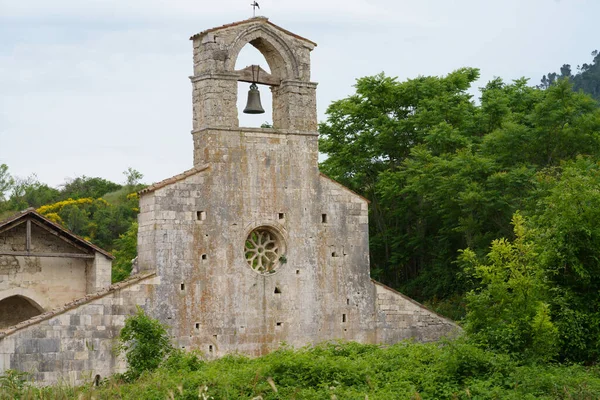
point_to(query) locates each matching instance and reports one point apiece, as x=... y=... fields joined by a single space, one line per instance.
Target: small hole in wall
x=197 y=326
x=281 y=215
x=324 y=218
x=334 y=254
x=210 y=348
x=343 y=317
x=279 y=323
x=182 y=286
x=277 y=290
x=201 y=215
x=215 y=337
x=204 y=256
x=348 y=301
x=345 y=330
x=97 y=380
x=297 y=272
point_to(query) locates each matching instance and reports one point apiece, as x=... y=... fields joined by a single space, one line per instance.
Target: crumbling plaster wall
x=49 y=281
x=76 y=342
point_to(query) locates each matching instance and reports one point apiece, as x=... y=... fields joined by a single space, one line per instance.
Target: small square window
x=204 y=257
x=200 y=215
x=324 y=218
x=281 y=215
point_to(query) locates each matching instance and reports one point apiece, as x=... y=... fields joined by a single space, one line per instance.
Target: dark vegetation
x=486 y=211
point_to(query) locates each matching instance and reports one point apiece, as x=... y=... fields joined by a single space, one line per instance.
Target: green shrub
x=145 y=342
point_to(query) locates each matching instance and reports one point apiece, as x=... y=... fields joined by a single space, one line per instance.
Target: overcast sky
x=92 y=87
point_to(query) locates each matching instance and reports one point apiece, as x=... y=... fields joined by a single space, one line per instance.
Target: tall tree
x=444 y=173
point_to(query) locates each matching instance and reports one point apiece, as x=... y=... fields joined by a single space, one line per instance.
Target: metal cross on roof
x=254 y=6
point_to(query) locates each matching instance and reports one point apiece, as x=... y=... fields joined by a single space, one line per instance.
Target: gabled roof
x=31 y=213
x=248 y=21
x=173 y=179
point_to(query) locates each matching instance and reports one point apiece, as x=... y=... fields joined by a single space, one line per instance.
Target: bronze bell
x=253 y=105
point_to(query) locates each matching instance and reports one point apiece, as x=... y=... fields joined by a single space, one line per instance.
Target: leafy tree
x=6 y=181
x=145 y=342
x=84 y=186
x=125 y=251
x=443 y=173
x=373 y=132
x=132 y=177
x=569 y=247
x=30 y=192
x=510 y=310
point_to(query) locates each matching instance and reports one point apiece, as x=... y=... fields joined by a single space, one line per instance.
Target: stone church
x=251 y=247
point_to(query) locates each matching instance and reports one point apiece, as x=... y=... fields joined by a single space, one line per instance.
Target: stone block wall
x=76 y=342
x=400 y=318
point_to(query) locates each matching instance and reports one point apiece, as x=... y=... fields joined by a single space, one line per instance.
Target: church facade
x=251 y=247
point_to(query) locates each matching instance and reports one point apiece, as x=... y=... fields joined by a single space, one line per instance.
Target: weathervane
x=254 y=6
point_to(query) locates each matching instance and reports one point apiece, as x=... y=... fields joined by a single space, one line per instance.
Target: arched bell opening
x=15 y=309
x=251 y=65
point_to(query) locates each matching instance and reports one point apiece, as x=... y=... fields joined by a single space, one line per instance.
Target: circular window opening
x=264 y=250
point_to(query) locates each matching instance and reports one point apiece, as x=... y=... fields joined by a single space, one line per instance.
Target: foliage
x=6 y=181
x=84 y=186
x=30 y=192
x=509 y=311
x=587 y=78
x=125 y=251
x=454 y=370
x=569 y=247
x=145 y=342
x=442 y=172
x=132 y=177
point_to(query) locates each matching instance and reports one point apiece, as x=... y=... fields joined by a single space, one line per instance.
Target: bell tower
x=215 y=79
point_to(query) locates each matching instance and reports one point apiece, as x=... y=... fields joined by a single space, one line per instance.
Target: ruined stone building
x=251 y=247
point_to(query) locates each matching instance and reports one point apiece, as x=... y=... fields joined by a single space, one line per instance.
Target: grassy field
x=451 y=370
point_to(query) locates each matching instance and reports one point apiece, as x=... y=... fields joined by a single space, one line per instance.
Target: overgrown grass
x=450 y=370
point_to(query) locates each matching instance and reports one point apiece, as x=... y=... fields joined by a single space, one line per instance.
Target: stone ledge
x=272 y=131
x=76 y=303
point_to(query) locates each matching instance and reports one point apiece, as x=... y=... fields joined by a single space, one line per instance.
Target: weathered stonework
x=193 y=228
x=42 y=266
x=252 y=194
x=75 y=342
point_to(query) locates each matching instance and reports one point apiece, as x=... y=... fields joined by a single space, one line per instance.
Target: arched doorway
x=15 y=309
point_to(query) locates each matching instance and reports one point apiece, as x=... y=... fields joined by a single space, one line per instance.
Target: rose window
x=264 y=250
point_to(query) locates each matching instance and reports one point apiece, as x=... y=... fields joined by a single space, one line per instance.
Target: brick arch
x=277 y=53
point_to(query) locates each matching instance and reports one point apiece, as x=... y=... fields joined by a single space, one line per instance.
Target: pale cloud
x=94 y=86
